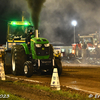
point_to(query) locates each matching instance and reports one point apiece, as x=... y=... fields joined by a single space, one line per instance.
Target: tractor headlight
x=38 y=45
x=99 y=46
x=91 y=48
x=95 y=44
x=46 y=45
x=11 y=44
x=73 y=51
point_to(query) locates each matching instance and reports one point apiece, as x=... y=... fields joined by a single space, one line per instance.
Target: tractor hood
x=40 y=40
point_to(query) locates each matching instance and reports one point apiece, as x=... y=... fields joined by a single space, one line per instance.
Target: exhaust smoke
x=35 y=7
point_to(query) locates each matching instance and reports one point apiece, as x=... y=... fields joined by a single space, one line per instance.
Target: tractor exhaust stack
x=36 y=33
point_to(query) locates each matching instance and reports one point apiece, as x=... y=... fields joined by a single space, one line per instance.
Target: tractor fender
x=26 y=48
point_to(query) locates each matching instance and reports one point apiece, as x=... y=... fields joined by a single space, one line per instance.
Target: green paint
x=25 y=47
x=34 y=41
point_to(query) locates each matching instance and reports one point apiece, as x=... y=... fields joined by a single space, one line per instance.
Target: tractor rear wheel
x=51 y=51
x=28 y=69
x=58 y=65
x=18 y=59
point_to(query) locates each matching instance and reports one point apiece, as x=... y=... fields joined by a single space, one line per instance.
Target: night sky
x=55 y=18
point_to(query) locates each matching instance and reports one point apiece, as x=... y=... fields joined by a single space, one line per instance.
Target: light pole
x=74 y=23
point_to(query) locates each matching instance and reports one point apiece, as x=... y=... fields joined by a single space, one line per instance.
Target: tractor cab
x=17 y=32
x=86 y=40
x=96 y=38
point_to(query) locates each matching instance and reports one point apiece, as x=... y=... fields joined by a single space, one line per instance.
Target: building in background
x=62 y=48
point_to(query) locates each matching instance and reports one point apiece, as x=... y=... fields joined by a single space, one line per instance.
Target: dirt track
x=83 y=77
x=28 y=93
x=87 y=78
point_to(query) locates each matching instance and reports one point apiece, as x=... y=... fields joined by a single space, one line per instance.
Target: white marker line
x=90 y=92
x=78 y=61
x=35 y=81
x=11 y=77
x=32 y=81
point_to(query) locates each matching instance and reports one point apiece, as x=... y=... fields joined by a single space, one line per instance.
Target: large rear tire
x=18 y=59
x=51 y=57
x=58 y=65
x=51 y=51
x=28 y=69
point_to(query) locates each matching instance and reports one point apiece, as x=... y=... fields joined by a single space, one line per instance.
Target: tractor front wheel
x=58 y=65
x=28 y=69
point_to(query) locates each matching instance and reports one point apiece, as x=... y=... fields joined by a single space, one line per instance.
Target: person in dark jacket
x=19 y=31
x=28 y=38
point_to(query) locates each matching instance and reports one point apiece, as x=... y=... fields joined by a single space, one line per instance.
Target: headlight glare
x=91 y=48
x=46 y=45
x=38 y=45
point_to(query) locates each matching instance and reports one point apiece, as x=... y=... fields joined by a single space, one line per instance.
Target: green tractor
x=20 y=60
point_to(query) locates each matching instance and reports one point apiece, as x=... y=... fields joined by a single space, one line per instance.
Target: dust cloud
x=54 y=21
x=57 y=15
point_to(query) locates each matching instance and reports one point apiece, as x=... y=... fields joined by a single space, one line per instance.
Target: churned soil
x=29 y=93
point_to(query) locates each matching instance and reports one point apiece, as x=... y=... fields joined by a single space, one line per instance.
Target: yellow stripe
x=10 y=40
x=19 y=41
x=16 y=41
x=32 y=40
